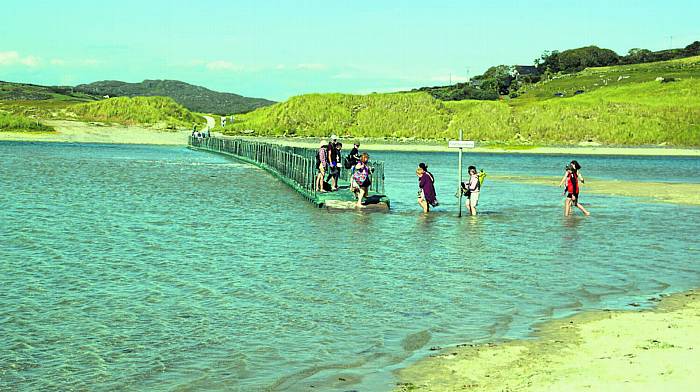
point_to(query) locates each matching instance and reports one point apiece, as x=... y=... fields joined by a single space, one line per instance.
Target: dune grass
x=650 y=113
x=415 y=115
x=15 y=123
x=162 y=112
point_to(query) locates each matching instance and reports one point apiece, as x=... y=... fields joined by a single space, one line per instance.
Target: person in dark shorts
x=572 y=181
x=333 y=163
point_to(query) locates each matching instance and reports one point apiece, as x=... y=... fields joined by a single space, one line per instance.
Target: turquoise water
x=160 y=268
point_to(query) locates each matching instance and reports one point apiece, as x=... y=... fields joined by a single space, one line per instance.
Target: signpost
x=461 y=144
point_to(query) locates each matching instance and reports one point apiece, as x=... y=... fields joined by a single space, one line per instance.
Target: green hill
x=591 y=79
x=631 y=108
x=195 y=98
x=163 y=112
x=31 y=92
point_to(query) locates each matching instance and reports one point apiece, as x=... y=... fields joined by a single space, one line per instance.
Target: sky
x=277 y=49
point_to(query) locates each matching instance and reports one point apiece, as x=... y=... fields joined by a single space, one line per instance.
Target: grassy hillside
x=162 y=111
x=15 y=123
x=375 y=115
x=31 y=92
x=195 y=98
x=631 y=108
x=592 y=79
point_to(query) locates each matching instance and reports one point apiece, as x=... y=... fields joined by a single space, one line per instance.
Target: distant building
x=525 y=70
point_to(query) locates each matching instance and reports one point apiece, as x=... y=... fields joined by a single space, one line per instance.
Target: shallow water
x=161 y=268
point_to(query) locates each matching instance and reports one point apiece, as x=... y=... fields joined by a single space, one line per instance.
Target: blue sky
x=276 y=49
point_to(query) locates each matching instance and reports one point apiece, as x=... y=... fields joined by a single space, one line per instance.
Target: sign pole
x=461 y=144
x=459 y=168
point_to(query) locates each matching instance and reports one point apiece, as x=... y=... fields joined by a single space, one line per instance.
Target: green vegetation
x=15 y=123
x=511 y=79
x=621 y=105
x=195 y=98
x=162 y=111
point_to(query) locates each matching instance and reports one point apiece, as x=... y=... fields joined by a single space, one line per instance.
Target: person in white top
x=472 y=188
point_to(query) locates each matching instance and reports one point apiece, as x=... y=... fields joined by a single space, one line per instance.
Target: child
x=571 y=179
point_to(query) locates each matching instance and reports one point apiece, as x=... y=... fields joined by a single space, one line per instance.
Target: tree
x=637 y=55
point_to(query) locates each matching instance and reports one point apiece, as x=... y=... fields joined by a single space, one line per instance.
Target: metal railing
x=294 y=165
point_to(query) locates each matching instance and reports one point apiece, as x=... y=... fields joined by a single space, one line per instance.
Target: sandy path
x=211 y=123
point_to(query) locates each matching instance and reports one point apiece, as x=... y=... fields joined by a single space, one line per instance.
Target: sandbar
x=647 y=350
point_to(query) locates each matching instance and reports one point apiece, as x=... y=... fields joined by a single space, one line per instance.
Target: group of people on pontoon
x=330 y=162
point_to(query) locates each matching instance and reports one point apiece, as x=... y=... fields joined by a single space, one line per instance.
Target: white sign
x=460 y=144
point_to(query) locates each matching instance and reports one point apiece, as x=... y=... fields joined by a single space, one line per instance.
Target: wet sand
x=649 y=350
x=662 y=192
x=82 y=132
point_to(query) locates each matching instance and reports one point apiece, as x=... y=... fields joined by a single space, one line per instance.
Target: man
x=333 y=162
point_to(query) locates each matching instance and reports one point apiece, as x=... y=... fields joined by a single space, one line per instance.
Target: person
x=426 y=195
x=321 y=163
x=354 y=155
x=571 y=181
x=361 y=179
x=424 y=166
x=333 y=163
x=471 y=189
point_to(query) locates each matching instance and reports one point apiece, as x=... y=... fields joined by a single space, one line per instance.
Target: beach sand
x=82 y=132
x=649 y=350
x=662 y=192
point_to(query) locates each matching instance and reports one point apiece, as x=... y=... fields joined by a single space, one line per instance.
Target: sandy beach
x=82 y=132
x=649 y=350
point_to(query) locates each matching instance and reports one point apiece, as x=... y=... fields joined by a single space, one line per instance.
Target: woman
x=426 y=183
x=571 y=180
x=361 y=179
x=472 y=187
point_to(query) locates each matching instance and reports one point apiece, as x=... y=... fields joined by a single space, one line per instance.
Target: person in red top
x=572 y=179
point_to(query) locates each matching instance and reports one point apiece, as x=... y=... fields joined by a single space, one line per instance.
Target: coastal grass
x=15 y=123
x=161 y=112
x=646 y=113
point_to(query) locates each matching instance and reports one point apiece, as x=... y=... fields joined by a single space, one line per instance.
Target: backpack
x=482 y=177
x=346 y=163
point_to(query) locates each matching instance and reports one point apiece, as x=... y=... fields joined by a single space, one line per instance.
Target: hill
x=195 y=98
x=631 y=108
x=162 y=112
x=31 y=92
